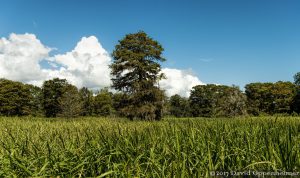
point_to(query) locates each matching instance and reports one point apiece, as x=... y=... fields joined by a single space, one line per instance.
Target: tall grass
x=186 y=147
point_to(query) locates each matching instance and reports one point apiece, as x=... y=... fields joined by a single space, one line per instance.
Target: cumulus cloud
x=86 y=65
x=178 y=82
x=20 y=56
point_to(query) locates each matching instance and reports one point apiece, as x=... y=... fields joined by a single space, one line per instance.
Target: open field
x=172 y=147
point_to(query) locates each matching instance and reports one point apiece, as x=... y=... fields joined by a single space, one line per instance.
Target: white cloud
x=20 y=56
x=86 y=65
x=178 y=82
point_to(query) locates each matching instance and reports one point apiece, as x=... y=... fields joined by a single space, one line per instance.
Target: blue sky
x=225 y=42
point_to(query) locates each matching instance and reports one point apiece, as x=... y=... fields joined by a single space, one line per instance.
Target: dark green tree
x=103 y=103
x=179 y=106
x=52 y=92
x=86 y=97
x=297 y=78
x=270 y=98
x=203 y=100
x=136 y=72
x=283 y=95
x=119 y=103
x=36 y=100
x=296 y=101
x=14 y=98
x=217 y=100
x=70 y=102
x=233 y=102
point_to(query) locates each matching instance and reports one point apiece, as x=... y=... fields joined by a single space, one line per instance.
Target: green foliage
x=270 y=98
x=86 y=97
x=58 y=98
x=135 y=72
x=36 y=100
x=52 y=92
x=296 y=101
x=233 y=102
x=98 y=147
x=297 y=79
x=15 y=98
x=217 y=100
x=70 y=102
x=146 y=105
x=103 y=103
x=179 y=106
x=119 y=103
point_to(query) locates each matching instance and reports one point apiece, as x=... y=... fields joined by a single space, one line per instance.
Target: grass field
x=169 y=148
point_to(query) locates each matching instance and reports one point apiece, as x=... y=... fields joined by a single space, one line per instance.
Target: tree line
x=58 y=98
x=229 y=101
x=136 y=72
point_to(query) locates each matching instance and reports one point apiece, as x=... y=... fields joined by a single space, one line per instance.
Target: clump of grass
x=88 y=147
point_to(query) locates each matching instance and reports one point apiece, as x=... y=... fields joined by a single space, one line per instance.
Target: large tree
x=86 y=97
x=271 y=98
x=103 y=103
x=119 y=102
x=70 y=102
x=36 y=100
x=179 y=106
x=136 y=72
x=52 y=92
x=14 y=98
x=217 y=100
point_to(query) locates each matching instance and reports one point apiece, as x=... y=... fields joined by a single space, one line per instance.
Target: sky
x=205 y=41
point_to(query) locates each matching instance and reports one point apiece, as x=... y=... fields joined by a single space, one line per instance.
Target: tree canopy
x=179 y=106
x=52 y=92
x=297 y=78
x=217 y=100
x=70 y=102
x=103 y=104
x=270 y=98
x=136 y=71
x=14 y=98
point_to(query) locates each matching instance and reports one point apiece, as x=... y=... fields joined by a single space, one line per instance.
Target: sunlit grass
x=169 y=148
